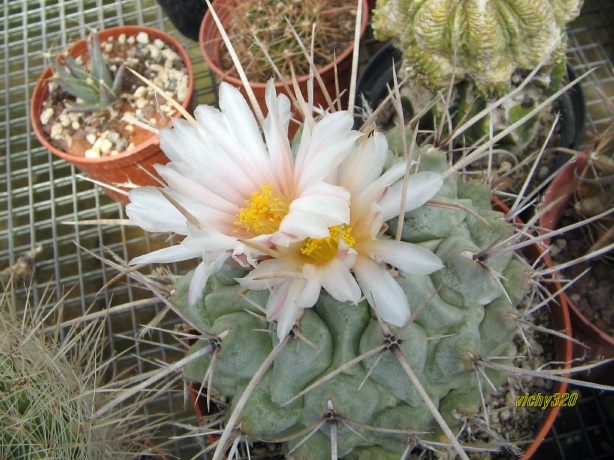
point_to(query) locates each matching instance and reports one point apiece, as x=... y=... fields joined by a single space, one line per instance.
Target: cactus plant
x=468 y=313
x=51 y=392
x=486 y=48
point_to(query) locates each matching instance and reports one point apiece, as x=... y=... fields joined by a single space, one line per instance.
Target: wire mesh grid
x=40 y=193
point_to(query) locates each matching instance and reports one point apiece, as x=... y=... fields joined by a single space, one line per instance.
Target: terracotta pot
x=600 y=344
x=561 y=322
x=211 y=45
x=132 y=164
x=563 y=350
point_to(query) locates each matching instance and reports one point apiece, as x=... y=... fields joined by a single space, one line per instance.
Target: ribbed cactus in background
x=486 y=46
x=50 y=392
x=466 y=311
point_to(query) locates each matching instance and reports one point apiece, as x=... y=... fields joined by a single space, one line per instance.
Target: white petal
x=198 y=156
x=298 y=225
x=202 y=273
x=421 y=187
x=167 y=255
x=206 y=240
x=364 y=165
x=329 y=203
x=151 y=211
x=408 y=257
x=264 y=269
x=276 y=135
x=237 y=131
x=330 y=142
x=337 y=279
x=286 y=319
x=382 y=291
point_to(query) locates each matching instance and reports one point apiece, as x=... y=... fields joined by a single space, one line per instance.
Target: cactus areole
x=483 y=41
x=467 y=312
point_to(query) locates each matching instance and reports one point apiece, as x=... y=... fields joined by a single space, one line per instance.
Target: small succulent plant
x=91 y=82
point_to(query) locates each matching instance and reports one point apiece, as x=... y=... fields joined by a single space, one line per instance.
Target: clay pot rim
x=41 y=91
x=561 y=188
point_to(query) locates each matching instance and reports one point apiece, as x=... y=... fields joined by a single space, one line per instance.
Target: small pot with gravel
x=91 y=110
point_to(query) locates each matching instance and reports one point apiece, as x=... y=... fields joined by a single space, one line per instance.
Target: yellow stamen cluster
x=263 y=213
x=321 y=250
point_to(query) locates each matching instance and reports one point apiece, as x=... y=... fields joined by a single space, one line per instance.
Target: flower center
x=321 y=250
x=263 y=213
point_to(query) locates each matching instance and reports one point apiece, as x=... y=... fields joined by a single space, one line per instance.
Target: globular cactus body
x=485 y=48
x=467 y=314
x=483 y=41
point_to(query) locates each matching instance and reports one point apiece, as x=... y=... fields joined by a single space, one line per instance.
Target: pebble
x=159 y=43
x=169 y=54
x=46 y=115
x=91 y=153
x=142 y=38
x=154 y=52
x=121 y=39
x=106 y=145
x=56 y=131
x=75 y=125
x=91 y=138
x=141 y=102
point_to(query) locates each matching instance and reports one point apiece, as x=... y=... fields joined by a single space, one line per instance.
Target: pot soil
x=101 y=145
x=216 y=55
x=590 y=299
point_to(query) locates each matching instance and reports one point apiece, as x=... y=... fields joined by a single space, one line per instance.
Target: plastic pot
x=556 y=202
x=211 y=46
x=133 y=165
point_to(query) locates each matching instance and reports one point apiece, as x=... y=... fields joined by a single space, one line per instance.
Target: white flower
x=233 y=193
x=350 y=260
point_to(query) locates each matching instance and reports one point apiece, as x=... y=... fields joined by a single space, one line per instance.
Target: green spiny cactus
x=92 y=82
x=486 y=48
x=468 y=312
x=486 y=42
x=50 y=393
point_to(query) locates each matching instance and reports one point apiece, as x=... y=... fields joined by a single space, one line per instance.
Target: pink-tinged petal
x=151 y=211
x=264 y=269
x=276 y=135
x=382 y=291
x=201 y=275
x=288 y=314
x=167 y=255
x=237 y=131
x=408 y=257
x=364 y=165
x=198 y=156
x=186 y=186
x=337 y=279
x=421 y=187
x=324 y=149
